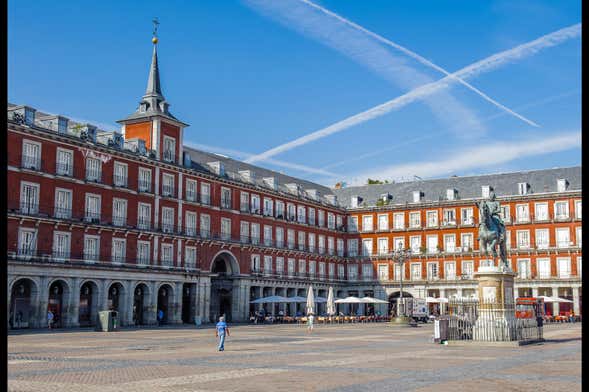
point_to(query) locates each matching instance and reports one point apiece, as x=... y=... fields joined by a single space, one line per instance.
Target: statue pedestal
x=496 y=320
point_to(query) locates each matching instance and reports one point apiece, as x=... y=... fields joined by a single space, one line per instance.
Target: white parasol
x=310 y=301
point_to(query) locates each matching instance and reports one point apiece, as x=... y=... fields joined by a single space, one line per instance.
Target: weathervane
x=155 y=24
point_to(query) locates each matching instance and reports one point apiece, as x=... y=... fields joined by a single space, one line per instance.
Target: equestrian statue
x=492 y=230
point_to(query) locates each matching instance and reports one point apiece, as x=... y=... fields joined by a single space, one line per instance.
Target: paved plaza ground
x=371 y=357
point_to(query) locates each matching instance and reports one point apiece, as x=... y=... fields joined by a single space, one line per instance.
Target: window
x=449 y=217
x=352 y=272
x=119 y=212
x=579 y=236
x=93 y=169
x=505 y=215
x=564 y=267
x=415 y=242
x=541 y=211
x=414 y=219
x=561 y=210
x=280 y=237
x=244 y=202
x=383 y=246
x=415 y=271
x=267 y=265
x=291 y=267
x=301 y=240
x=244 y=231
x=29 y=198
x=61 y=245
x=279 y=209
x=467 y=269
x=31 y=155
x=190 y=257
x=432 y=218
x=190 y=223
x=120 y=174
x=523 y=239
x=383 y=222
x=205 y=226
x=27 y=242
x=353 y=224
x=579 y=266
x=321 y=244
x=92 y=208
x=168 y=185
x=542 y=238
x=290 y=234
x=330 y=246
x=340 y=247
x=118 y=250
x=367 y=223
x=467 y=216
x=522 y=188
x=64 y=165
x=340 y=271
x=169 y=149
x=144 y=180
x=167 y=256
x=352 y=247
x=561 y=185
x=367 y=271
x=144 y=216
x=399 y=221
x=449 y=243
x=167 y=220
x=399 y=243
x=563 y=239
x=256 y=264
x=279 y=265
x=91 y=247
x=331 y=270
x=383 y=272
x=578 y=209
x=312 y=216
x=397 y=272
x=255 y=233
x=312 y=268
x=522 y=213
x=143 y=255
x=268 y=235
x=301 y=214
x=466 y=242
x=366 y=247
x=302 y=267
x=330 y=220
x=255 y=204
x=320 y=218
x=432 y=243
x=432 y=271
x=543 y=268
x=205 y=193
x=321 y=269
x=225 y=198
x=268 y=207
x=523 y=268
x=225 y=229
x=450 y=270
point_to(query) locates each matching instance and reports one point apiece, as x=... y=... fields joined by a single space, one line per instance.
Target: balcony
x=205 y=199
x=168 y=190
x=31 y=162
x=91 y=256
x=144 y=224
x=92 y=217
x=169 y=156
x=561 y=217
x=204 y=233
x=168 y=228
x=244 y=207
x=226 y=203
x=144 y=186
x=64 y=169
x=120 y=181
x=119 y=221
x=190 y=231
x=60 y=255
x=93 y=175
x=29 y=208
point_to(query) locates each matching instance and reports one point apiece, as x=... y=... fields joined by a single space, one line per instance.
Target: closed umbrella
x=330 y=302
x=310 y=301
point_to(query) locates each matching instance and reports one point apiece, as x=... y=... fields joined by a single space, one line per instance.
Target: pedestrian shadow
x=563 y=340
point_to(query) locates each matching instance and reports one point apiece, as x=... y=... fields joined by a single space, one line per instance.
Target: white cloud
x=426 y=90
x=477 y=157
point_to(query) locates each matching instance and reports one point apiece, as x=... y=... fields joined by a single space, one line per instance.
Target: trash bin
x=108 y=321
x=441 y=330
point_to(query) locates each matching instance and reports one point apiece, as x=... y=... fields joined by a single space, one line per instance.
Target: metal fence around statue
x=469 y=319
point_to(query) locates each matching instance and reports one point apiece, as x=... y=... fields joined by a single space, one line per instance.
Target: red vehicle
x=529 y=307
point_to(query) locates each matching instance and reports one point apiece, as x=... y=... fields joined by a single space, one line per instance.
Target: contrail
x=474 y=69
x=418 y=58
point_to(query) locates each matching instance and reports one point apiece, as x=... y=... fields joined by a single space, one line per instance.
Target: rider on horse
x=495 y=212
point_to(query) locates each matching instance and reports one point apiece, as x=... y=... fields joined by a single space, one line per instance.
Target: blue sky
x=252 y=75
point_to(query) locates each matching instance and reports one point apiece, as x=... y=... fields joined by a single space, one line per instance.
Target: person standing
x=50 y=318
x=220 y=331
x=160 y=317
x=310 y=319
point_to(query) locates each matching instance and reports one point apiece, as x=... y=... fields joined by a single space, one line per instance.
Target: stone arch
x=23 y=295
x=141 y=294
x=59 y=292
x=393 y=296
x=225 y=262
x=165 y=301
x=89 y=292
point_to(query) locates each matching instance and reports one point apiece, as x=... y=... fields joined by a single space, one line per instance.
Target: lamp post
x=400 y=256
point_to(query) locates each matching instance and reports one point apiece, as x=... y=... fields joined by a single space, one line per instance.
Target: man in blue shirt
x=220 y=332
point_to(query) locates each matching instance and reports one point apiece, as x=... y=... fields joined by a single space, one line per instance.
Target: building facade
x=137 y=221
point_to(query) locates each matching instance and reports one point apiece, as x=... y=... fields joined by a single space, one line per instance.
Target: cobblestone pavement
x=371 y=357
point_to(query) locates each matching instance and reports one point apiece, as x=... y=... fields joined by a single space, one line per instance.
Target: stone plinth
x=496 y=314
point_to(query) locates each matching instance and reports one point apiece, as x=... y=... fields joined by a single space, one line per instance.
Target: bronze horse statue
x=491 y=235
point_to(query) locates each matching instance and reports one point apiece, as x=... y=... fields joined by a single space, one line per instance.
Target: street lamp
x=400 y=256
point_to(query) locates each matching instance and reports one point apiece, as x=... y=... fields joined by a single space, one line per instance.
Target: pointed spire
x=153 y=82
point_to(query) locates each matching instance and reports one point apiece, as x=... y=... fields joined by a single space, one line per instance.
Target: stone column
x=459 y=292
x=236 y=300
x=576 y=305
x=273 y=306
x=74 y=304
x=193 y=302
x=555 y=305
x=151 y=314
x=177 y=304
x=442 y=306
x=41 y=309
x=245 y=305
x=535 y=292
x=207 y=299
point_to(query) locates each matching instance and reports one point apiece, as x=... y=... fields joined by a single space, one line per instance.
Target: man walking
x=49 y=318
x=220 y=332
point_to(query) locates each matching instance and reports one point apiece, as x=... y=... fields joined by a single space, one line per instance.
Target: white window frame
x=467 y=247
x=61 y=211
x=467 y=269
x=538 y=207
x=560 y=243
x=205 y=225
x=121 y=219
x=141 y=260
x=383 y=224
x=190 y=223
x=579 y=236
x=414 y=223
x=92 y=213
x=225 y=229
x=167 y=225
x=542 y=233
x=399 y=221
x=28 y=206
x=578 y=209
x=191 y=192
x=447 y=274
x=383 y=272
x=164 y=260
x=382 y=245
x=415 y=267
x=353 y=224
x=433 y=273
x=120 y=258
x=520 y=216
x=367 y=223
x=62 y=254
x=91 y=257
x=95 y=171
x=453 y=248
x=544 y=268
x=205 y=193
x=143 y=223
x=120 y=179
x=30 y=249
x=428 y=218
x=37 y=162
x=189 y=261
x=367 y=247
x=521 y=244
x=168 y=188
x=144 y=179
x=567 y=272
x=467 y=216
x=562 y=216
x=69 y=165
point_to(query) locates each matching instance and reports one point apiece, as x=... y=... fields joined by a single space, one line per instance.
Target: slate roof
x=504 y=184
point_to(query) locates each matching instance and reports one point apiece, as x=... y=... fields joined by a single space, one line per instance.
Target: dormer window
x=29 y=116
x=217 y=167
x=522 y=188
x=562 y=185
x=486 y=191
x=451 y=194
x=356 y=200
x=417 y=196
x=169 y=149
x=62 y=125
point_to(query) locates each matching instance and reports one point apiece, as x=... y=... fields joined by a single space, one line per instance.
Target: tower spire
x=153 y=81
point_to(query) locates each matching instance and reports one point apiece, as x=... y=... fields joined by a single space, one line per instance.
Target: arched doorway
x=56 y=304
x=87 y=309
x=393 y=301
x=116 y=294
x=21 y=312
x=164 y=302
x=140 y=304
x=224 y=268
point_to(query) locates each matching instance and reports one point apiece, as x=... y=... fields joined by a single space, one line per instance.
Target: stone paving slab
x=365 y=357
